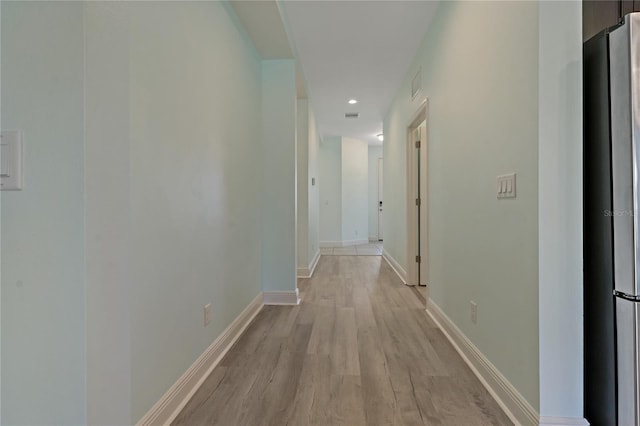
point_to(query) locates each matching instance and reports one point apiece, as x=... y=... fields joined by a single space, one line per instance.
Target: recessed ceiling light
x=380 y=137
x=353 y=101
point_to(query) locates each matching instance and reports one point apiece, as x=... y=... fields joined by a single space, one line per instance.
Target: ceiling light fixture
x=353 y=101
x=380 y=137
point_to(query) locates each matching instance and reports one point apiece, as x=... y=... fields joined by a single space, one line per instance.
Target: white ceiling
x=355 y=49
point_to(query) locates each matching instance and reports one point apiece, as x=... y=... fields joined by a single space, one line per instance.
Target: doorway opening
x=417 y=198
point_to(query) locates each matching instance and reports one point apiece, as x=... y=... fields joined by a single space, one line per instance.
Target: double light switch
x=507 y=186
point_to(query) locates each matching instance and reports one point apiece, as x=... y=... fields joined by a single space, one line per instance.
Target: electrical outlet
x=207 y=314
x=474 y=312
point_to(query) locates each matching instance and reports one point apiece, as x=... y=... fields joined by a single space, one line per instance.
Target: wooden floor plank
x=284 y=321
x=337 y=401
x=344 y=347
x=202 y=400
x=323 y=331
x=359 y=350
x=316 y=368
x=377 y=393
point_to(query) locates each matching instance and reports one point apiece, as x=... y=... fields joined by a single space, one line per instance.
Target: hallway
x=358 y=350
x=172 y=167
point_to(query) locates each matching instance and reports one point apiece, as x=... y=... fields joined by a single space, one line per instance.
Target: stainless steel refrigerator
x=612 y=226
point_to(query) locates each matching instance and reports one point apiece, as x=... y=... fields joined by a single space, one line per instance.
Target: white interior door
x=417 y=224
x=380 y=199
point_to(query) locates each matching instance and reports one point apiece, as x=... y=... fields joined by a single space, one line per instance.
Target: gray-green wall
x=503 y=82
x=43 y=291
x=479 y=63
x=142 y=200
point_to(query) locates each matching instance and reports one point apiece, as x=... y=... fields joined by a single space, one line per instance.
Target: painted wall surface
x=330 y=185
x=307 y=192
x=0 y=229
x=279 y=175
x=195 y=230
x=160 y=157
x=560 y=208
x=107 y=213
x=482 y=122
x=303 y=141
x=355 y=190
x=43 y=286
x=314 y=192
x=395 y=179
x=375 y=153
x=158 y=246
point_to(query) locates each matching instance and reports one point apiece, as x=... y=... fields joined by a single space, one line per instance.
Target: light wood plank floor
x=359 y=350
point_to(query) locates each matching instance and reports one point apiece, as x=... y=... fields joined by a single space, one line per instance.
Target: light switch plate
x=11 y=160
x=506 y=186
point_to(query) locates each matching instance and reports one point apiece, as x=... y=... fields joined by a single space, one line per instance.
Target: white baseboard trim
x=281 y=297
x=314 y=263
x=344 y=243
x=399 y=270
x=510 y=400
x=173 y=401
x=563 y=421
x=347 y=243
x=309 y=270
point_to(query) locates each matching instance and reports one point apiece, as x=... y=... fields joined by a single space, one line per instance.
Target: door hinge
x=418 y=259
x=417 y=144
x=418 y=202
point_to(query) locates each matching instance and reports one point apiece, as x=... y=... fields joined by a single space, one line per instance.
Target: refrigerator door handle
x=625 y=296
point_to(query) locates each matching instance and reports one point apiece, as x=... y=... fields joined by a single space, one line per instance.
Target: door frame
x=413 y=239
x=378 y=183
